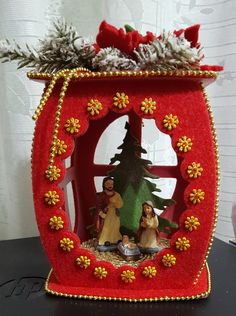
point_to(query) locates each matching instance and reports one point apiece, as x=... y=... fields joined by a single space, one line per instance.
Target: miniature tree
x=131 y=181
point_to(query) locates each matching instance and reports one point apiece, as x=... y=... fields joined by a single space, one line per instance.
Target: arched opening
x=99 y=144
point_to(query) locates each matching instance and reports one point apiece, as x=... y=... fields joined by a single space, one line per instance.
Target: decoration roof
x=115 y=50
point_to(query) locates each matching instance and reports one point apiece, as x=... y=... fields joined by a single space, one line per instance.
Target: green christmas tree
x=131 y=181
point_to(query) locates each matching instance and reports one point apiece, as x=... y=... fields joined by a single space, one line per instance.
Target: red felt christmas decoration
x=142 y=77
x=110 y=36
x=177 y=272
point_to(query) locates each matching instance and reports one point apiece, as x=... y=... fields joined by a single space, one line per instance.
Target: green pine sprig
x=62 y=48
x=12 y=51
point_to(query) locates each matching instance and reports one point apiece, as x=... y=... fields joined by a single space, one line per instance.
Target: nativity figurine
x=107 y=221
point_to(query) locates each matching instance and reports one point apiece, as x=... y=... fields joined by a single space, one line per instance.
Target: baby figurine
x=128 y=249
x=127 y=243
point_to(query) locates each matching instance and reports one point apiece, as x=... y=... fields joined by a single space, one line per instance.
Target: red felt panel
x=180 y=97
x=201 y=289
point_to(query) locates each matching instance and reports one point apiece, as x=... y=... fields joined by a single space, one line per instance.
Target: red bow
x=110 y=36
x=191 y=34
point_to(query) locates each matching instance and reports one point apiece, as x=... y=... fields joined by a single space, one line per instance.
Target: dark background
x=24 y=268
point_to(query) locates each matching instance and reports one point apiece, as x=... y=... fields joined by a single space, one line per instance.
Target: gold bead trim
x=66 y=75
x=124 y=299
x=46 y=96
x=87 y=74
x=214 y=135
x=53 y=148
x=75 y=73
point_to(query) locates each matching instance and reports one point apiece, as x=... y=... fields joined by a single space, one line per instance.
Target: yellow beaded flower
x=53 y=173
x=51 y=197
x=191 y=223
x=182 y=244
x=83 y=262
x=149 y=272
x=168 y=260
x=56 y=222
x=72 y=125
x=100 y=273
x=170 y=121
x=66 y=244
x=121 y=100
x=94 y=107
x=60 y=147
x=128 y=276
x=184 y=144
x=196 y=196
x=148 y=106
x=194 y=170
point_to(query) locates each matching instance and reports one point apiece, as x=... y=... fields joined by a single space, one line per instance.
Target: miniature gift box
x=66 y=126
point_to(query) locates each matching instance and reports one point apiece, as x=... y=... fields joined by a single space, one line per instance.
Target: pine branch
x=112 y=59
x=12 y=51
x=62 y=48
x=168 y=53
